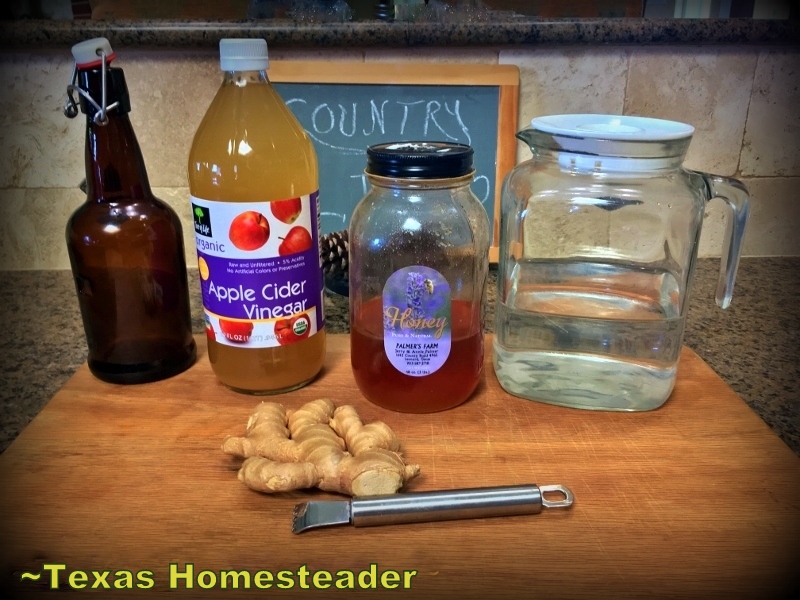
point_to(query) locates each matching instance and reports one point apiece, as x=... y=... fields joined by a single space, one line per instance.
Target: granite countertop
x=501 y=30
x=753 y=345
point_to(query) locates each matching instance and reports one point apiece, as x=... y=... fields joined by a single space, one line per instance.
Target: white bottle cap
x=243 y=54
x=86 y=53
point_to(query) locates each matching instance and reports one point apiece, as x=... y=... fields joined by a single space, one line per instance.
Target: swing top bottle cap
x=243 y=54
x=87 y=55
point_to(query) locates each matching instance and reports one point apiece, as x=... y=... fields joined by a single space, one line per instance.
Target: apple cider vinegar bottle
x=253 y=182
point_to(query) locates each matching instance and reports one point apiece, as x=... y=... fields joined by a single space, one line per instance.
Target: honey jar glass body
x=419 y=243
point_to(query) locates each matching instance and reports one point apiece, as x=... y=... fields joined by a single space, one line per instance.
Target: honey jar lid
x=419 y=160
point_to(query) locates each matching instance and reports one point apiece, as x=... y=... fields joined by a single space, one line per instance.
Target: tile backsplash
x=743 y=101
x=708 y=88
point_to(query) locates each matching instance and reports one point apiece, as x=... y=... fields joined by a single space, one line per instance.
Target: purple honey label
x=260 y=270
x=416 y=320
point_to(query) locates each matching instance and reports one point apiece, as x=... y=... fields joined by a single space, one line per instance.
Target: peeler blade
x=323 y=513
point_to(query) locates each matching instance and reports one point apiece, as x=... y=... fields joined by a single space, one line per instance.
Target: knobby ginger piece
x=321 y=446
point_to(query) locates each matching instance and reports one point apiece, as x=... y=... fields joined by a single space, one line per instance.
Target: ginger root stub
x=321 y=446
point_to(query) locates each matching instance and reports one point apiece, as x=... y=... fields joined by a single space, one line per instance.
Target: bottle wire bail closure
x=71 y=107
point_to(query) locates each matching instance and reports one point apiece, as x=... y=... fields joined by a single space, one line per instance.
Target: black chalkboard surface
x=343 y=119
x=346 y=107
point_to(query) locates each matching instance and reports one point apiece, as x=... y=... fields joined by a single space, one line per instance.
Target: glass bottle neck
x=115 y=169
x=244 y=78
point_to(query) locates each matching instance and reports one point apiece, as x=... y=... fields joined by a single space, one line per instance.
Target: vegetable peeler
x=423 y=507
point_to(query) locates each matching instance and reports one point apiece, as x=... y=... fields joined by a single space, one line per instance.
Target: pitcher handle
x=737 y=198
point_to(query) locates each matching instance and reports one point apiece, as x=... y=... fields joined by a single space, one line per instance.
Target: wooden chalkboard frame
x=504 y=77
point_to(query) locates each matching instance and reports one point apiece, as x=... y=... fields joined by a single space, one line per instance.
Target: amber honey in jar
x=419 y=243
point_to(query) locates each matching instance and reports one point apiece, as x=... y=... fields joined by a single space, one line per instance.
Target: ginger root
x=321 y=446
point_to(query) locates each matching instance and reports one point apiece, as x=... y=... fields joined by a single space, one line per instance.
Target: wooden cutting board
x=698 y=499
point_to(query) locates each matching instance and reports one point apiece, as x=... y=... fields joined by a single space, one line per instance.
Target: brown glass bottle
x=127 y=254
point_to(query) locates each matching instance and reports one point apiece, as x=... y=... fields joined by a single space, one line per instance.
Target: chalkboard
x=346 y=107
x=343 y=119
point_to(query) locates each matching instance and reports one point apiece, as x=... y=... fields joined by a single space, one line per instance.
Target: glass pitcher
x=598 y=242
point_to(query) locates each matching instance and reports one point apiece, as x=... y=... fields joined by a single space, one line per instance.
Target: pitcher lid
x=613 y=127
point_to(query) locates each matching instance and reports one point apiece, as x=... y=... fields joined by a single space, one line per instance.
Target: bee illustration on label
x=428 y=286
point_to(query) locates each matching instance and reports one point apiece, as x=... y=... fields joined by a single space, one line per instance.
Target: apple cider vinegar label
x=416 y=320
x=260 y=270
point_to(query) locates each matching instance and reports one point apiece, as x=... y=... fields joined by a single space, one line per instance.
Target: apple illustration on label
x=294 y=329
x=210 y=333
x=249 y=230
x=236 y=331
x=286 y=211
x=298 y=239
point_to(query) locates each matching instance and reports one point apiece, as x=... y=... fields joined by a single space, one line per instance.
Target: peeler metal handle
x=456 y=504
